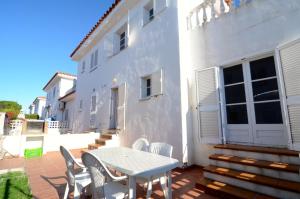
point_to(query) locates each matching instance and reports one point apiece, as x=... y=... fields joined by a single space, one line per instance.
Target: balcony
x=210 y=10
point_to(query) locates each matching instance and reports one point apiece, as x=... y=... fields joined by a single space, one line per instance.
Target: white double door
x=252 y=103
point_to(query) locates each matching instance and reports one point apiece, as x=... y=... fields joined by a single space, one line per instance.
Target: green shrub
x=32 y=116
x=11 y=108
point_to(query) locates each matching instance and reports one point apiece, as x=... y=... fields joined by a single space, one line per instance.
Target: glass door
x=253 y=105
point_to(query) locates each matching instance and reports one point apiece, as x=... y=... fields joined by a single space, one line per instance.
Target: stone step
x=259 y=149
x=280 y=166
x=226 y=191
x=259 y=183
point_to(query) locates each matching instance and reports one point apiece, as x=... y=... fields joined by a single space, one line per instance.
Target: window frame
x=144 y=87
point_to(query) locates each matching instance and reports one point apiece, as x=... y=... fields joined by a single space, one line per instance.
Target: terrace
x=47 y=177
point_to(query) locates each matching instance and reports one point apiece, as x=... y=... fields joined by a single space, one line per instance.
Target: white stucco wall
x=251 y=30
x=151 y=48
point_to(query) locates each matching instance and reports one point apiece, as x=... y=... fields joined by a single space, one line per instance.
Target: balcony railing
x=210 y=10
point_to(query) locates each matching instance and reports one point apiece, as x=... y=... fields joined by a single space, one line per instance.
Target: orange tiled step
x=255 y=178
x=280 y=166
x=84 y=150
x=226 y=191
x=259 y=149
x=101 y=141
x=106 y=136
x=94 y=146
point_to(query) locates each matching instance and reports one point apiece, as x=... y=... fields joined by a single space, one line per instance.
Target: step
x=259 y=149
x=101 y=141
x=280 y=166
x=255 y=178
x=106 y=136
x=84 y=150
x=226 y=191
x=94 y=146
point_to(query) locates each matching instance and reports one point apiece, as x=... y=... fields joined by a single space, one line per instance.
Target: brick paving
x=47 y=178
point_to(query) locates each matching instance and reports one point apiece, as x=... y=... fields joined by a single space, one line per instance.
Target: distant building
x=60 y=85
x=38 y=106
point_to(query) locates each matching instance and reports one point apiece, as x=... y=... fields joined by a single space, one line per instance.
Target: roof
x=65 y=97
x=111 y=8
x=66 y=75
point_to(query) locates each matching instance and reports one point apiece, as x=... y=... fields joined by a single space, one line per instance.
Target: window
x=93 y=104
x=120 y=39
x=54 y=92
x=123 y=41
x=80 y=105
x=66 y=115
x=94 y=60
x=83 y=67
x=148 y=12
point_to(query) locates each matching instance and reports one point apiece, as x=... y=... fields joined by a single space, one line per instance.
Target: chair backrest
x=163 y=149
x=99 y=174
x=141 y=144
x=70 y=160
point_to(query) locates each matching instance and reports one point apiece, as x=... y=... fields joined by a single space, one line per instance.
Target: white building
x=193 y=74
x=38 y=106
x=60 y=85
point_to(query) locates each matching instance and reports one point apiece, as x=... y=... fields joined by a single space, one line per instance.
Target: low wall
x=16 y=144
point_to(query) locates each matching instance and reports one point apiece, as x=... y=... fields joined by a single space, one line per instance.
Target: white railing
x=58 y=125
x=15 y=127
x=209 y=10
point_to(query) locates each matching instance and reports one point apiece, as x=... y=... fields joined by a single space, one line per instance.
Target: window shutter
x=96 y=58
x=157 y=83
x=116 y=45
x=92 y=60
x=108 y=45
x=209 y=117
x=159 y=5
x=121 y=107
x=290 y=66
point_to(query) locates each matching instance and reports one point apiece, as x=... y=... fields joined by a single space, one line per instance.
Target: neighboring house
x=38 y=106
x=67 y=107
x=31 y=108
x=193 y=74
x=57 y=87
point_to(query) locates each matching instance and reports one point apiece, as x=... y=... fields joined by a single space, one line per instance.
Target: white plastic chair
x=141 y=144
x=104 y=184
x=78 y=181
x=163 y=149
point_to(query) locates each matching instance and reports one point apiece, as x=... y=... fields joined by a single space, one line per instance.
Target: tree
x=11 y=108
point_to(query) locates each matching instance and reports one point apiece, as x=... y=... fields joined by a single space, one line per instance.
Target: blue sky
x=36 y=39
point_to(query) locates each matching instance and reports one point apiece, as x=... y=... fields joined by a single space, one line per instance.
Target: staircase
x=238 y=171
x=108 y=138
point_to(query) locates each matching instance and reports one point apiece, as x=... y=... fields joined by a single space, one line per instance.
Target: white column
x=2 y=119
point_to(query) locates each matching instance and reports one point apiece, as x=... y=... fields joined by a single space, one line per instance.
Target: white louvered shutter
x=208 y=107
x=290 y=65
x=159 y=5
x=157 y=83
x=96 y=58
x=109 y=45
x=121 y=107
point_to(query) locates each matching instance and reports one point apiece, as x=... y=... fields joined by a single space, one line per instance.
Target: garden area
x=14 y=185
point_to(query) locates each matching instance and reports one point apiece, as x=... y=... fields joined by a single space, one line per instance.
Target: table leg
x=132 y=187
x=169 y=194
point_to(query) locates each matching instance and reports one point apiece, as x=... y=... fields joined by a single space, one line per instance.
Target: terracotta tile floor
x=47 y=178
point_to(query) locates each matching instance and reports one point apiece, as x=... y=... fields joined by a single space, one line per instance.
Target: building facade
x=38 y=106
x=192 y=74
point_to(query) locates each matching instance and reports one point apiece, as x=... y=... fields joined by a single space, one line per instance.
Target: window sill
x=119 y=52
x=148 y=22
x=93 y=69
x=145 y=98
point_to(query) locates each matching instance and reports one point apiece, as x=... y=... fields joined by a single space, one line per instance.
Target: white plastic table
x=136 y=163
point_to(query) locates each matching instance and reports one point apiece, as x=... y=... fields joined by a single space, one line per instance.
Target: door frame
x=251 y=114
x=113 y=94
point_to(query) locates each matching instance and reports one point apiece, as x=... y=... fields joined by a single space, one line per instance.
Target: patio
x=47 y=178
